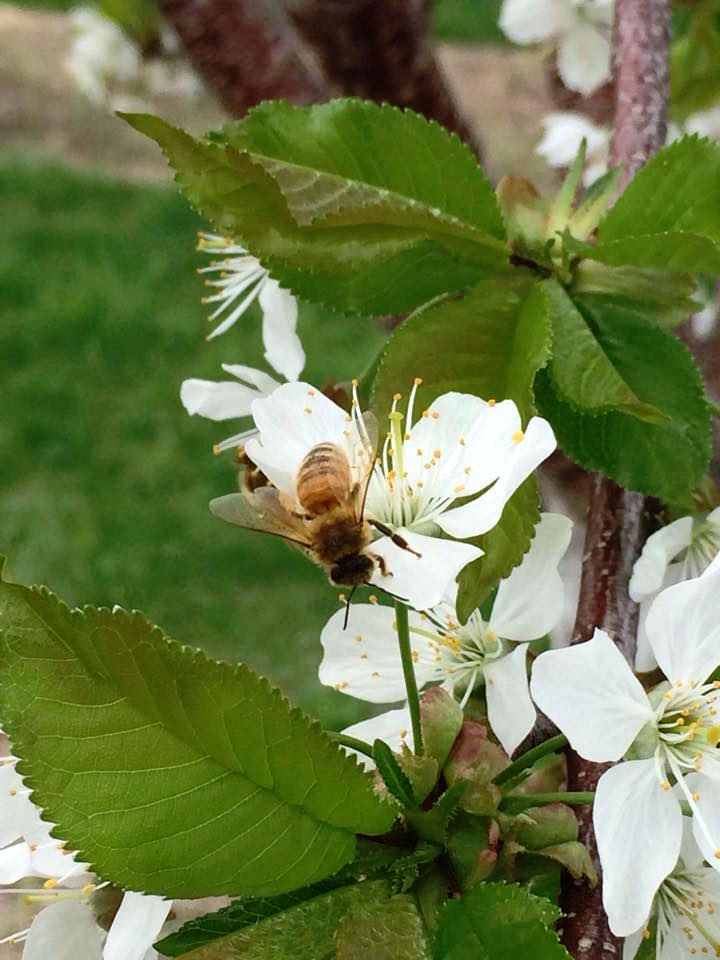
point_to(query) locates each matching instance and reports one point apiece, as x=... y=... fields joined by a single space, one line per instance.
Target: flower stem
x=403 y=632
x=529 y=758
x=353 y=742
x=516 y=804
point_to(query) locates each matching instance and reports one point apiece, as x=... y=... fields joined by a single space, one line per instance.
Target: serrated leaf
x=334 y=221
x=393 y=775
x=491 y=344
x=669 y=215
x=168 y=772
x=306 y=931
x=498 y=922
x=667 y=460
x=389 y=930
x=581 y=370
x=432 y=825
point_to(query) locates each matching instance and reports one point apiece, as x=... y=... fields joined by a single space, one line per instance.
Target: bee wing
x=370 y=442
x=371 y=431
x=261 y=510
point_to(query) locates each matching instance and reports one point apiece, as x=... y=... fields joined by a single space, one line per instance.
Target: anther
x=397 y=396
x=518 y=436
x=435 y=415
x=355 y=381
x=50 y=884
x=307 y=409
x=437 y=454
x=372 y=598
x=417 y=381
x=492 y=402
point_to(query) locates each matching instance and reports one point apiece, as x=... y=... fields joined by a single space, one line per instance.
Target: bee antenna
x=347 y=607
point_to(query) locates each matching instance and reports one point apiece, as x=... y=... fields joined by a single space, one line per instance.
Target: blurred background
x=105 y=479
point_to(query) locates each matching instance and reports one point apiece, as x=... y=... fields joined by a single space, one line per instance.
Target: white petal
x=283 y=350
x=51 y=860
x=638 y=827
x=527 y=21
x=510 y=709
x=394 y=727
x=421 y=582
x=593 y=171
x=707 y=819
x=135 y=927
x=644 y=657
x=632 y=943
x=564 y=132
x=583 y=58
x=482 y=513
x=660 y=548
x=363 y=660
x=683 y=626
x=531 y=600
x=590 y=692
x=17 y=812
x=64 y=931
x=15 y=863
x=217 y=400
x=288 y=431
x=257 y=378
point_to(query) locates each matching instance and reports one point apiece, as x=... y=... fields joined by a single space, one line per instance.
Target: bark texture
x=246 y=54
x=618 y=520
x=380 y=50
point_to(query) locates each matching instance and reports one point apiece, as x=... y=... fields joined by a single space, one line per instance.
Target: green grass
x=104 y=480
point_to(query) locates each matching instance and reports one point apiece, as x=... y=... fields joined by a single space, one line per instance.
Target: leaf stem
x=353 y=742
x=516 y=804
x=403 y=632
x=529 y=758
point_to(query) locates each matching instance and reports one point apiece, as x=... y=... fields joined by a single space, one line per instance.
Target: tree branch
x=245 y=53
x=381 y=50
x=618 y=520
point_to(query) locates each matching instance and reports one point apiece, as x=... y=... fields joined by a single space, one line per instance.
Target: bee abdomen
x=323 y=479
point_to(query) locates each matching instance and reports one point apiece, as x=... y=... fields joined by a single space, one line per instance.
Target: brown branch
x=245 y=53
x=618 y=520
x=381 y=50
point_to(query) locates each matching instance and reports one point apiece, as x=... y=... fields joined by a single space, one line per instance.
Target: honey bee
x=328 y=520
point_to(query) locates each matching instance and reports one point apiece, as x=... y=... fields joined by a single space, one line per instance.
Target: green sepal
x=393 y=775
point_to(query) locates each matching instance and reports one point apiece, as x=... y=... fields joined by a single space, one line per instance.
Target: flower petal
x=217 y=400
x=521 y=458
x=527 y=21
x=15 y=863
x=64 y=931
x=363 y=660
x=531 y=600
x=632 y=943
x=135 y=927
x=283 y=349
x=706 y=816
x=683 y=626
x=510 y=710
x=422 y=581
x=638 y=827
x=288 y=431
x=256 y=378
x=583 y=58
x=660 y=548
x=564 y=132
x=590 y=692
x=393 y=726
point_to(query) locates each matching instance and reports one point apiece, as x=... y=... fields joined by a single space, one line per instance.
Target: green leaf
x=306 y=931
x=168 y=772
x=666 y=460
x=432 y=825
x=669 y=215
x=498 y=922
x=491 y=344
x=326 y=198
x=385 y=930
x=394 y=777
x=581 y=370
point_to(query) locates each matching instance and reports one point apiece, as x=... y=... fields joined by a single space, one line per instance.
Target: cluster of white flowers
x=67 y=923
x=578 y=30
x=107 y=66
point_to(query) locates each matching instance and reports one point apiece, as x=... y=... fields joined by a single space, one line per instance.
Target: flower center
x=686 y=911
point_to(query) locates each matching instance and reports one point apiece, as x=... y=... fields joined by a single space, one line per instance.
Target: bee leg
x=300 y=516
x=395 y=537
x=380 y=561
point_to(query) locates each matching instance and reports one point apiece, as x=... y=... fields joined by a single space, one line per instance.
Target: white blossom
x=679 y=551
x=100 y=55
x=460 y=447
x=579 y=29
x=564 y=132
x=591 y=693
x=686 y=909
x=363 y=661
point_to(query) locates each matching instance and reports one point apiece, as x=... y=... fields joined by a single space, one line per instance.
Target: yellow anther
x=717 y=854
x=458 y=488
x=420 y=483
x=89 y=888
x=375 y=673
x=355 y=381
x=435 y=415
x=680 y=722
x=415 y=656
x=461 y=441
x=372 y=598
x=358 y=638
x=50 y=884
x=417 y=381
x=696 y=797
x=13 y=792
x=426 y=413
x=342 y=598
x=363 y=656
x=307 y=409
x=646 y=934
x=311 y=392
x=492 y=402
x=397 y=396
x=518 y=436
x=437 y=454
x=665 y=785
x=33 y=847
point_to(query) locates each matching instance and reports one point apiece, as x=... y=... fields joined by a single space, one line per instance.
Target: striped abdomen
x=323 y=479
